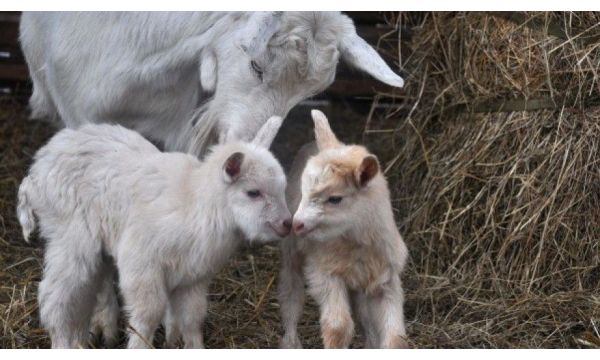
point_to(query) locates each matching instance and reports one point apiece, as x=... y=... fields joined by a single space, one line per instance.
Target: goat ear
x=233 y=167
x=356 y=52
x=266 y=134
x=260 y=29
x=366 y=171
x=324 y=136
x=208 y=71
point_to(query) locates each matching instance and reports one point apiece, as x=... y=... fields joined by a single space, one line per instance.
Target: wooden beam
x=9 y=33
x=366 y=17
x=10 y=16
x=359 y=86
x=17 y=72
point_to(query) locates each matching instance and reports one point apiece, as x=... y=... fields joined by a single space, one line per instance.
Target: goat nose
x=286 y=227
x=298 y=226
x=287 y=224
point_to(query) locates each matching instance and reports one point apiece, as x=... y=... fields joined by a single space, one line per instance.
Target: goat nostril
x=287 y=224
x=298 y=226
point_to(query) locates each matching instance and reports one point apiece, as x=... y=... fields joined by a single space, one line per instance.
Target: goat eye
x=257 y=69
x=253 y=194
x=334 y=200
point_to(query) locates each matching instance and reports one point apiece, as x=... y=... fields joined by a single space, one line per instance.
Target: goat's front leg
x=337 y=327
x=291 y=294
x=187 y=310
x=172 y=331
x=363 y=312
x=386 y=308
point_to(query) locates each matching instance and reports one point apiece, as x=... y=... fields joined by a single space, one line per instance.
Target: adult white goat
x=183 y=78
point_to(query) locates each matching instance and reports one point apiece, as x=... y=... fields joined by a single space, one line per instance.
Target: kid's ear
x=266 y=134
x=366 y=171
x=233 y=167
x=324 y=136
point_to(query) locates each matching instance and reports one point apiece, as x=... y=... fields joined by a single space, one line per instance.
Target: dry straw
x=495 y=169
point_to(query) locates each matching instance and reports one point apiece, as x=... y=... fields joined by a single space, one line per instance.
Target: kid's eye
x=253 y=194
x=334 y=200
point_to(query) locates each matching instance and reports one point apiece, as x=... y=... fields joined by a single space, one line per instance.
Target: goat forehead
x=259 y=162
x=333 y=169
x=270 y=178
x=323 y=27
x=315 y=61
x=319 y=177
x=266 y=170
x=341 y=159
x=311 y=173
x=326 y=184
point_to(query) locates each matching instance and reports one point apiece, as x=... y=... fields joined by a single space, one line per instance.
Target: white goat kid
x=168 y=220
x=187 y=78
x=346 y=244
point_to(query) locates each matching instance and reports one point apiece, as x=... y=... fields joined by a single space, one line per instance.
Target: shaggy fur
x=186 y=79
x=168 y=221
x=347 y=245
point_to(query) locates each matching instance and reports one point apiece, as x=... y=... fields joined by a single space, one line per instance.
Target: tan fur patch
x=347 y=165
x=342 y=171
x=338 y=337
x=397 y=342
x=361 y=267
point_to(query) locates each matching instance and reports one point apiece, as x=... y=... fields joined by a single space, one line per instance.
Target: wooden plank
x=366 y=17
x=375 y=32
x=9 y=33
x=14 y=72
x=10 y=16
x=11 y=54
x=359 y=86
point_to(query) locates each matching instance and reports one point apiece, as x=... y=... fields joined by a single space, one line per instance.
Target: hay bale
x=495 y=169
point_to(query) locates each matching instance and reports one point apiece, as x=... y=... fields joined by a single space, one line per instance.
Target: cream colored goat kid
x=167 y=220
x=347 y=245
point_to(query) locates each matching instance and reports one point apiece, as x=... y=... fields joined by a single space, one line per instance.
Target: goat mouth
x=279 y=233
x=305 y=232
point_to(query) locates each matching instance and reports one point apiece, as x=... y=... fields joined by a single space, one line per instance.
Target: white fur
x=185 y=78
x=167 y=220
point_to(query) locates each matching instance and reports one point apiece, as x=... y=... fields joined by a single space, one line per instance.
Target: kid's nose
x=287 y=225
x=298 y=227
